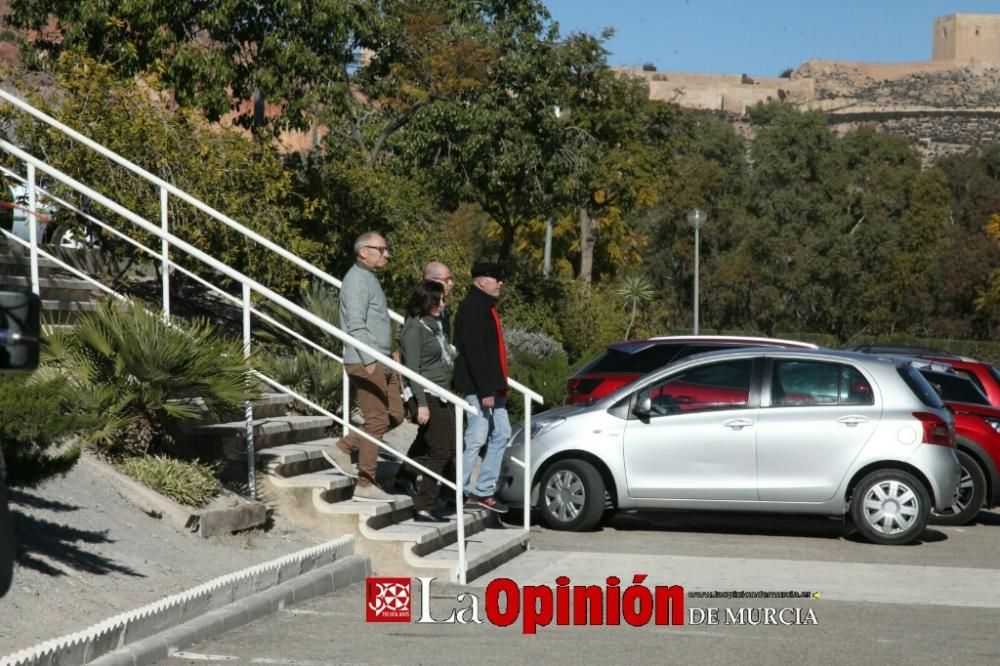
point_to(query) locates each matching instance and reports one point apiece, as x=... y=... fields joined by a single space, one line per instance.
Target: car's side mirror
x=19 y=330
x=643 y=407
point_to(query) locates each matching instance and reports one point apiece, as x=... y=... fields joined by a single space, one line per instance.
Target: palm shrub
x=139 y=373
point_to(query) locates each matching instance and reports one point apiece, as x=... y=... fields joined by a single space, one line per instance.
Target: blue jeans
x=492 y=426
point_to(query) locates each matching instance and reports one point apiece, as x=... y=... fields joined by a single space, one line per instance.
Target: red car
x=624 y=362
x=977 y=440
x=983 y=374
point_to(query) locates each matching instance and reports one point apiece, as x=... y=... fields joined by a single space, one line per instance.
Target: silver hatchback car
x=766 y=430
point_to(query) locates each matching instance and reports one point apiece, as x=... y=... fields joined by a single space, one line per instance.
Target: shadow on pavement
x=817 y=527
x=35 y=502
x=40 y=542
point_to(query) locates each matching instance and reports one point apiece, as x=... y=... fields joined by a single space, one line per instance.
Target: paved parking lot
x=937 y=600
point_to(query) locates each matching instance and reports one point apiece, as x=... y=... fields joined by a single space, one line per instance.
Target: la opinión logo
x=389 y=600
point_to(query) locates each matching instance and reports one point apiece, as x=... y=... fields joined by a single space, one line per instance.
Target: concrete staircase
x=298 y=485
x=63 y=297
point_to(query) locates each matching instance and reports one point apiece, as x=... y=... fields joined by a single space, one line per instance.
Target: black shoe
x=425 y=516
x=406 y=485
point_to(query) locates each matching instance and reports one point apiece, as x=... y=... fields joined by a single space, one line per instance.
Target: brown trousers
x=379 y=398
x=434 y=448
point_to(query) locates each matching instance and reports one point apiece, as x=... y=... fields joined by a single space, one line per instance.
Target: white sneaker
x=372 y=493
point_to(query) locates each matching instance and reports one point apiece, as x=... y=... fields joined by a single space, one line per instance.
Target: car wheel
x=572 y=496
x=971 y=491
x=890 y=507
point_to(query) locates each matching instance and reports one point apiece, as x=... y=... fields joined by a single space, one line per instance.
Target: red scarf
x=500 y=345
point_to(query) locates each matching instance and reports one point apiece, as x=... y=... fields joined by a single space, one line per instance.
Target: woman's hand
x=423 y=415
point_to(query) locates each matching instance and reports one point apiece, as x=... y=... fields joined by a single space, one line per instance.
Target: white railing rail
x=249 y=286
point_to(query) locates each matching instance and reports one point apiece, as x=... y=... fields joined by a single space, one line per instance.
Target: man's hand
x=370 y=368
x=423 y=415
x=487 y=402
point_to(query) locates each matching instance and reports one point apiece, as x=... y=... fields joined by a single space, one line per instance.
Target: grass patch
x=188 y=483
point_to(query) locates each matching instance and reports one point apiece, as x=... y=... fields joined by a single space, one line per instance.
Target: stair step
x=327 y=479
x=367 y=508
x=68 y=306
x=272 y=404
x=484 y=551
x=287 y=454
x=267 y=432
x=421 y=533
x=67 y=283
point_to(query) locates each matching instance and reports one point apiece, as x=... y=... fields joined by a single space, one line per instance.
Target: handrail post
x=165 y=251
x=33 y=230
x=527 y=463
x=248 y=406
x=459 y=498
x=346 y=407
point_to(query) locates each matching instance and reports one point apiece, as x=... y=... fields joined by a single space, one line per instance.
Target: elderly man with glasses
x=364 y=314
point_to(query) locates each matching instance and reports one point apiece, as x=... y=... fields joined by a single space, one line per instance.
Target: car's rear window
x=955 y=387
x=646 y=359
x=923 y=390
x=618 y=359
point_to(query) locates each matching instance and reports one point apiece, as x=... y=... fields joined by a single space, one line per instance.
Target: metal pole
x=248 y=405
x=527 y=463
x=696 y=253
x=459 y=499
x=33 y=230
x=165 y=251
x=346 y=407
x=547 y=265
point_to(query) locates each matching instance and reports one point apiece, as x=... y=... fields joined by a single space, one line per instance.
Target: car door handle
x=851 y=421
x=738 y=424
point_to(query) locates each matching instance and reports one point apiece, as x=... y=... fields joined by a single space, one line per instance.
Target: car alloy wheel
x=890 y=507
x=971 y=490
x=572 y=496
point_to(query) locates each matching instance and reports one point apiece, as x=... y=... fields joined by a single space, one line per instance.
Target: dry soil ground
x=86 y=552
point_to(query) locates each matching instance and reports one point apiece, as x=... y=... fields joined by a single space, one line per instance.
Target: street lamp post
x=696 y=218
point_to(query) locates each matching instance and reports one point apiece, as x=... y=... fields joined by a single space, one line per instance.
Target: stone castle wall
x=944 y=105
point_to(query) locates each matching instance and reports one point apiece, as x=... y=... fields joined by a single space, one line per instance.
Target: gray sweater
x=422 y=353
x=364 y=314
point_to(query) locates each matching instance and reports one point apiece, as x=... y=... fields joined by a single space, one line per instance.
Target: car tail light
x=936 y=429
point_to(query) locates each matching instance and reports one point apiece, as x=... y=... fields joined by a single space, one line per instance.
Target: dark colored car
x=624 y=362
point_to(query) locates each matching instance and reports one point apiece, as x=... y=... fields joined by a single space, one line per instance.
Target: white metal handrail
x=208 y=210
x=168 y=240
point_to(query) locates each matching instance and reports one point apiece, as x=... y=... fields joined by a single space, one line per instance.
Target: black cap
x=487 y=269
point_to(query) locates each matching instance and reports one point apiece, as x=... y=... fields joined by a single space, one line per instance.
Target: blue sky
x=761 y=37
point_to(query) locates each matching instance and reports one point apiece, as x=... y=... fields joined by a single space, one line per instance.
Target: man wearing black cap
x=481 y=376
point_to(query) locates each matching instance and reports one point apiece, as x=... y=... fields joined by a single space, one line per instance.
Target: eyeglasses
x=382 y=249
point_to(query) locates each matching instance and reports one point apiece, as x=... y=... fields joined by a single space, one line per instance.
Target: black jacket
x=477 y=369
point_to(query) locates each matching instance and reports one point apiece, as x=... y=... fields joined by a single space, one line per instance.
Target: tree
x=214 y=56
x=499 y=143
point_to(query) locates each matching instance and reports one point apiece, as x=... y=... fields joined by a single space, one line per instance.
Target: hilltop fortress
x=944 y=105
